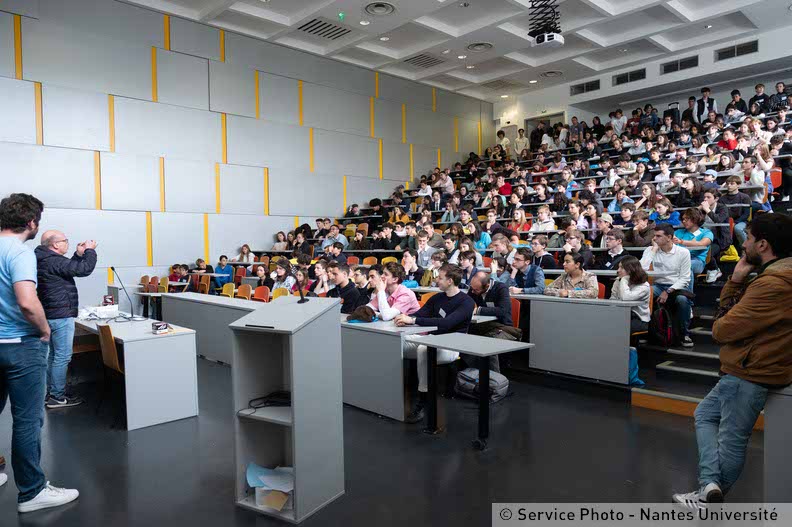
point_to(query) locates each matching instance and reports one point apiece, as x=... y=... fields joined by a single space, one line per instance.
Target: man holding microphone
x=58 y=294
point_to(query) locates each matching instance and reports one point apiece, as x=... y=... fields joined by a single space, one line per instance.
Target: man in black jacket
x=492 y=300
x=58 y=294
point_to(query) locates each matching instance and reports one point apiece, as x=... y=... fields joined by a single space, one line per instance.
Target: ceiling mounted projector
x=544 y=28
x=551 y=40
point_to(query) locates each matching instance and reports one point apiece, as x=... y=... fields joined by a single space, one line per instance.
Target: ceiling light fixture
x=504 y=96
x=708 y=26
x=533 y=82
x=470 y=66
x=446 y=51
x=624 y=50
x=364 y=22
x=384 y=39
x=380 y=9
x=464 y=4
x=462 y=57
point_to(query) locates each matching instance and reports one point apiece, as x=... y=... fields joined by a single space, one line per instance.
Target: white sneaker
x=700 y=498
x=49 y=497
x=713 y=275
x=785 y=198
x=3 y=478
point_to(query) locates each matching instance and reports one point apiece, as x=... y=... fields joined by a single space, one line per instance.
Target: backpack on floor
x=467 y=385
x=662 y=328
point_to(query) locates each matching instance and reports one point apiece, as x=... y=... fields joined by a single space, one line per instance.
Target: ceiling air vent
x=479 y=47
x=503 y=85
x=424 y=61
x=323 y=29
x=380 y=9
x=550 y=74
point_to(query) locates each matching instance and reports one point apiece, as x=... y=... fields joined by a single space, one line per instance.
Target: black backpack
x=663 y=330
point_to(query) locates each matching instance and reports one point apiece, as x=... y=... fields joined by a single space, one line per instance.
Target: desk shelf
x=279 y=415
x=249 y=503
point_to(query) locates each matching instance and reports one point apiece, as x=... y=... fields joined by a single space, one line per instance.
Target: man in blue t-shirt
x=695 y=239
x=24 y=341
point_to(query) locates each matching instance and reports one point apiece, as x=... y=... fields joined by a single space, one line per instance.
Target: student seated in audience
x=282 y=276
x=755 y=178
x=632 y=284
x=334 y=235
x=359 y=242
x=514 y=205
x=715 y=212
x=336 y=253
x=663 y=178
x=500 y=271
x=575 y=244
x=280 y=242
x=451 y=215
x=614 y=242
x=574 y=282
x=666 y=257
x=467 y=264
x=225 y=270
x=642 y=233
x=544 y=222
x=740 y=214
x=424 y=250
x=302 y=282
x=387 y=241
x=492 y=299
x=450 y=311
x=690 y=193
x=695 y=239
x=424 y=189
x=450 y=248
x=624 y=220
x=502 y=247
x=435 y=239
x=412 y=271
x=604 y=226
x=174 y=274
x=323 y=284
x=526 y=278
x=436 y=204
x=541 y=257
x=410 y=238
x=390 y=297
x=466 y=244
x=344 y=288
x=202 y=267
x=398 y=215
x=301 y=245
x=430 y=275
x=320 y=232
x=361 y=280
x=664 y=214
x=519 y=222
x=264 y=279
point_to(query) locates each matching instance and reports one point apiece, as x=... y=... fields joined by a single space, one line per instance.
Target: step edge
x=669 y=366
x=668 y=395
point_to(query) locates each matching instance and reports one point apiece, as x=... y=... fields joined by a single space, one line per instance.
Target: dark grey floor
x=548 y=445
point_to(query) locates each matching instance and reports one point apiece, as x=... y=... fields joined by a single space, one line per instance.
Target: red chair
x=487 y=261
x=515 y=312
x=240 y=272
x=601 y=293
x=353 y=260
x=261 y=294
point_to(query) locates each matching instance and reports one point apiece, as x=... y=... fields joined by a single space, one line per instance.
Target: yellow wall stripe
x=166 y=30
x=412 y=166
x=111 y=114
x=217 y=188
x=371 y=116
x=345 y=197
x=380 y=158
x=456 y=134
x=98 y=180
x=224 y=133
x=18 y=47
x=258 y=95
x=162 y=183
x=296 y=221
x=479 y=138
x=222 y=46
x=149 y=241
x=154 y=83
x=266 y=191
x=300 y=101
x=311 y=166
x=434 y=99
x=406 y=185
x=39 y=115
x=110 y=277
x=206 y=237
x=439 y=159
x=376 y=84
x=404 y=123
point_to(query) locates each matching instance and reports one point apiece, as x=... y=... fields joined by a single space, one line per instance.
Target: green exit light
x=341 y=15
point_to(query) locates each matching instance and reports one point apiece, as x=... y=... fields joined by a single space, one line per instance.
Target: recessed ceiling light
x=384 y=39
x=470 y=66
x=462 y=57
x=364 y=22
x=708 y=26
x=446 y=51
x=624 y=50
x=464 y=4
x=504 y=96
x=533 y=82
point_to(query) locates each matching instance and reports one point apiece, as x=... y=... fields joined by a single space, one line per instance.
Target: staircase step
x=673 y=403
x=701 y=331
x=673 y=366
x=695 y=354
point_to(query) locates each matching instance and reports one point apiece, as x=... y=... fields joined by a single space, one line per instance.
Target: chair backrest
x=601 y=287
x=515 y=312
x=487 y=261
x=164 y=282
x=264 y=260
x=311 y=249
x=353 y=260
x=244 y=291
x=279 y=292
x=154 y=280
x=775 y=177
x=548 y=281
x=153 y=288
x=370 y=260
x=238 y=274
x=425 y=297
x=162 y=289
x=203 y=288
x=388 y=259
x=651 y=300
x=108 y=346
x=255 y=258
x=144 y=280
x=261 y=294
x=228 y=290
x=363 y=227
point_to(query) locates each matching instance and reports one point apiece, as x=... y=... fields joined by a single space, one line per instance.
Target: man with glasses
x=527 y=278
x=58 y=294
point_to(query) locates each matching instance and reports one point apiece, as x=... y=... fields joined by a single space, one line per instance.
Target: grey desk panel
x=470 y=344
x=588 y=351
x=587 y=301
x=285 y=314
x=388 y=328
x=778 y=428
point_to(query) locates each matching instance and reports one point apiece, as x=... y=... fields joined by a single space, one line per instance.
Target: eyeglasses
x=61 y=241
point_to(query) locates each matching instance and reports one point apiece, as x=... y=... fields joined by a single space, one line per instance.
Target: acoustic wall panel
x=262 y=143
x=279 y=100
x=323 y=194
x=130 y=182
x=189 y=186
x=395 y=161
x=59 y=177
x=442 y=128
x=388 y=120
x=468 y=137
x=281 y=60
x=54 y=54
x=161 y=129
x=228 y=232
x=241 y=189
x=458 y=105
x=346 y=154
x=232 y=89
x=75 y=118
x=182 y=80
x=176 y=238
x=405 y=91
x=337 y=110
x=6 y=45
x=424 y=160
x=121 y=236
x=363 y=190
x=21 y=7
x=18 y=111
x=421 y=127
x=487 y=125
x=194 y=39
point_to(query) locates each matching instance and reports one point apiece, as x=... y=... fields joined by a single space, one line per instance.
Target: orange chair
x=244 y=291
x=144 y=280
x=487 y=261
x=515 y=312
x=154 y=280
x=204 y=284
x=261 y=294
x=775 y=180
x=425 y=297
x=363 y=227
x=240 y=272
x=370 y=260
x=601 y=287
x=353 y=260
x=264 y=260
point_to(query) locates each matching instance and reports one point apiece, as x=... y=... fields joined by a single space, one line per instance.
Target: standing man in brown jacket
x=754 y=328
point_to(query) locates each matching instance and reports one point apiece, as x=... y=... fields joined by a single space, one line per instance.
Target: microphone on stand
x=302 y=299
x=134 y=317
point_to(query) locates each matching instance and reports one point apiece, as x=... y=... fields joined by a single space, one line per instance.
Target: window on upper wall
x=586 y=87
x=678 y=65
x=739 y=50
x=630 y=76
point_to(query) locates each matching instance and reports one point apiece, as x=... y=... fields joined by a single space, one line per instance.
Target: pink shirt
x=402 y=299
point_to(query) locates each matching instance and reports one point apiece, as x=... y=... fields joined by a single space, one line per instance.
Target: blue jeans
x=60 y=354
x=739 y=232
x=23 y=373
x=724 y=422
x=684 y=309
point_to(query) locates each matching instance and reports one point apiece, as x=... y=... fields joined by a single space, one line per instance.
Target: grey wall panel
x=424 y=160
x=458 y=105
x=388 y=120
x=194 y=38
x=487 y=125
x=189 y=185
x=59 y=177
x=279 y=98
x=468 y=137
x=82 y=60
x=263 y=143
x=363 y=190
x=345 y=154
x=18 y=111
x=176 y=238
x=21 y=7
x=75 y=118
x=161 y=129
x=228 y=232
x=182 y=80
x=130 y=182
x=232 y=89
x=420 y=126
x=337 y=110
x=110 y=20
x=324 y=195
x=395 y=161
x=241 y=190
x=6 y=45
x=288 y=62
x=442 y=127
x=405 y=91
x=121 y=236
